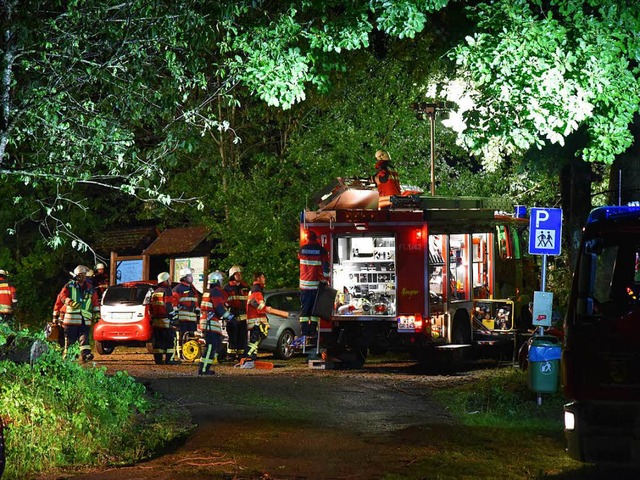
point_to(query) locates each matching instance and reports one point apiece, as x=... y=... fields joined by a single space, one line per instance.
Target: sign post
x=545 y=237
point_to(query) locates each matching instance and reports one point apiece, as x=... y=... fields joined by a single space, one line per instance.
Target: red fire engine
x=428 y=274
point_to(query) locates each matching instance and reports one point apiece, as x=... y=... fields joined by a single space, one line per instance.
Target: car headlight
x=569 y=421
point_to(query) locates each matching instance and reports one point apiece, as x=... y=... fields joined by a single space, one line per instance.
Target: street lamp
x=430 y=110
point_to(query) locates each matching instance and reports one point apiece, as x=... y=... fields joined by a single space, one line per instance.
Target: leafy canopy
x=539 y=70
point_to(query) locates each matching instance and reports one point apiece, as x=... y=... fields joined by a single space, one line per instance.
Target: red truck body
x=412 y=277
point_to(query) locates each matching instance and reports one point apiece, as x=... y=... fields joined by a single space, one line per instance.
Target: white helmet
x=100 y=266
x=163 y=277
x=235 y=269
x=215 y=277
x=90 y=273
x=3 y=273
x=185 y=272
x=80 y=269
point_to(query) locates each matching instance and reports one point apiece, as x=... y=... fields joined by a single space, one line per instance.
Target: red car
x=125 y=318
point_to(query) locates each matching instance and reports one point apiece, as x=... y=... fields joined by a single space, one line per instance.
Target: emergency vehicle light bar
x=604 y=213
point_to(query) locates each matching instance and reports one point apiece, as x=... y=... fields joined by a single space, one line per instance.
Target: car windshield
x=119 y=295
x=616 y=286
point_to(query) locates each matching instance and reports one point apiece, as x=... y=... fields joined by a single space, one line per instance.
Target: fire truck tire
x=283 y=350
x=104 y=348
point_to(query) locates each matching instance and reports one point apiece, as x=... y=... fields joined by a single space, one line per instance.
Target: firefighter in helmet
x=100 y=279
x=237 y=293
x=213 y=311
x=314 y=268
x=164 y=315
x=187 y=299
x=386 y=179
x=8 y=299
x=257 y=321
x=81 y=306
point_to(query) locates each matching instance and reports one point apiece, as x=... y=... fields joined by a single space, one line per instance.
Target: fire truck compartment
x=364 y=273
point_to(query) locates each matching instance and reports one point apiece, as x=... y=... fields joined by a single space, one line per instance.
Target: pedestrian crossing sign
x=545 y=231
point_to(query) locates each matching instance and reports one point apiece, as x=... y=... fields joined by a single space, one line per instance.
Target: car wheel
x=284 y=350
x=104 y=348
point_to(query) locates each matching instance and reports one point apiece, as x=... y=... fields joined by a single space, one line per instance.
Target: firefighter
x=8 y=299
x=314 y=268
x=257 y=321
x=187 y=299
x=237 y=293
x=164 y=314
x=386 y=179
x=100 y=279
x=213 y=310
x=81 y=306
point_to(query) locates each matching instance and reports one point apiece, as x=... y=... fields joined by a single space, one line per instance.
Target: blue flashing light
x=611 y=213
x=520 y=211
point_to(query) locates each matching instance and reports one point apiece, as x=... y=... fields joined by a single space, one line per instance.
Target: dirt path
x=296 y=423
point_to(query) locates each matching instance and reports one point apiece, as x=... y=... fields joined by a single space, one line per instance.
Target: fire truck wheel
x=104 y=348
x=284 y=350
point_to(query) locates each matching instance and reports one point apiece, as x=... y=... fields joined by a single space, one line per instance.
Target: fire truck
x=601 y=355
x=428 y=275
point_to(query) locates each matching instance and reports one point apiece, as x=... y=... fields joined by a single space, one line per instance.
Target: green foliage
x=61 y=413
x=538 y=72
x=501 y=398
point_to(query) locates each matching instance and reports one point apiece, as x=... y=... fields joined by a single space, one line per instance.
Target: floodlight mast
x=429 y=110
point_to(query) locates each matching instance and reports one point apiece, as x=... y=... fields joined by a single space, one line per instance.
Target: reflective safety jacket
x=237 y=295
x=388 y=184
x=314 y=265
x=8 y=299
x=84 y=295
x=212 y=310
x=163 y=303
x=187 y=299
x=256 y=307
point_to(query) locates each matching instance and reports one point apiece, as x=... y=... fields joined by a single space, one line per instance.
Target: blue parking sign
x=545 y=231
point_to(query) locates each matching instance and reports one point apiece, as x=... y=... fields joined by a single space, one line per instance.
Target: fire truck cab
x=428 y=274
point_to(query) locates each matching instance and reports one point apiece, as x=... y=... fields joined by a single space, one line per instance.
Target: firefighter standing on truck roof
x=257 y=321
x=386 y=179
x=81 y=305
x=187 y=299
x=164 y=315
x=8 y=299
x=237 y=294
x=213 y=311
x=314 y=268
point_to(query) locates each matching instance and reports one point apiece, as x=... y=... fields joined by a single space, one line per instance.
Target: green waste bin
x=544 y=364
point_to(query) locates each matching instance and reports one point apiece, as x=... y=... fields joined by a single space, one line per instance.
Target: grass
x=501 y=432
x=501 y=398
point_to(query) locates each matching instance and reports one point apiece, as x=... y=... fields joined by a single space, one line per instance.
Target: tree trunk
x=575 y=188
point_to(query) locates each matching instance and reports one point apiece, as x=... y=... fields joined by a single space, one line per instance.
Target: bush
x=61 y=413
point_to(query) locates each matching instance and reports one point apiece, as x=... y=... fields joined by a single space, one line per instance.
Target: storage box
x=489 y=323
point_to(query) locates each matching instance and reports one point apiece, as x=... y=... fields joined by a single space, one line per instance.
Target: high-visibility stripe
x=310 y=262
